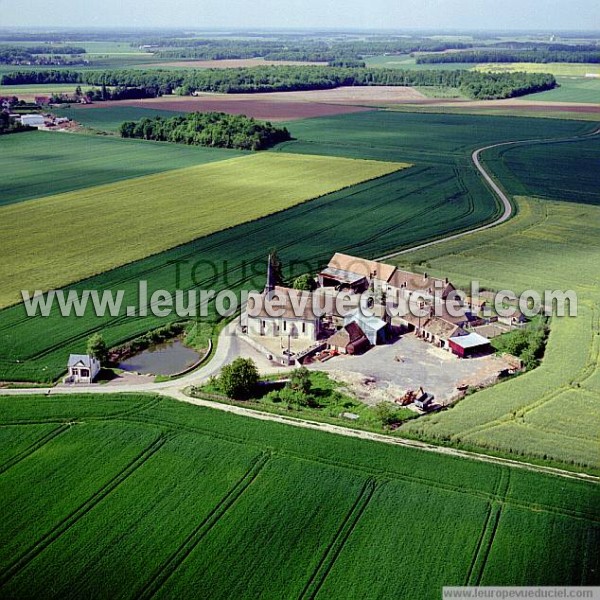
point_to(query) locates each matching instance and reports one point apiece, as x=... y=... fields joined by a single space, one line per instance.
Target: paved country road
x=228 y=342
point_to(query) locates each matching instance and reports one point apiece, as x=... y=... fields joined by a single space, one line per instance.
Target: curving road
x=227 y=349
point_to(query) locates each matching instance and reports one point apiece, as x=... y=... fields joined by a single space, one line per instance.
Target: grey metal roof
x=342 y=275
x=80 y=358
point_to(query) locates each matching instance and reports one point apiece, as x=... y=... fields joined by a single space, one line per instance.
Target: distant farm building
x=82 y=368
x=33 y=120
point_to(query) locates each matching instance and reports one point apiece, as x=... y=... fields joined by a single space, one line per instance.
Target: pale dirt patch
x=367 y=389
x=362 y=95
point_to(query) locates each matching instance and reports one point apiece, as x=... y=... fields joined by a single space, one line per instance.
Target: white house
x=82 y=368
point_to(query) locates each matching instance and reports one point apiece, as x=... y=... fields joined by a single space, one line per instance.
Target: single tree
x=304 y=283
x=97 y=348
x=239 y=379
x=300 y=380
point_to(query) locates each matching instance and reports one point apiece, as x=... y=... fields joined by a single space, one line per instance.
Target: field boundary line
x=336 y=545
x=63 y=526
x=170 y=566
x=34 y=447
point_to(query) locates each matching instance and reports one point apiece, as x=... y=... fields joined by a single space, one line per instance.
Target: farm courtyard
x=386 y=372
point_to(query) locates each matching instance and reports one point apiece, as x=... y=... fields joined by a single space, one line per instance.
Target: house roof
x=361 y=266
x=83 y=359
x=441 y=328
x=471 y=340
x=284 y=302
x=341 y=275
x=350 y=333
x=415 y=282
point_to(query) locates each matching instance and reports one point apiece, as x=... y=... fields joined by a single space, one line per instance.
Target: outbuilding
x=469 y=345
x=373 y=327
x=33 y=120
x=350 y=339
x=82 y=368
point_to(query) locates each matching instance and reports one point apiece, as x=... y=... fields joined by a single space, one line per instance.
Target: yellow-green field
x=550 y=413
x=56 y=240
x=573 y=69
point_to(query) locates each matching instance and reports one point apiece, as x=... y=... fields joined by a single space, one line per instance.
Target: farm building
x=374 y=328
x=82 y=368
x=516 y=319
x=350 y=339
x=406 y=284
x=351 y=272
x=32 y=120
x=439 y=331
x=469 y=345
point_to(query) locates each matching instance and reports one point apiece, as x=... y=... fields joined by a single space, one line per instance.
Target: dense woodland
x=481 y=86
x=213 y=129
x=334 y=52
x=510 y=56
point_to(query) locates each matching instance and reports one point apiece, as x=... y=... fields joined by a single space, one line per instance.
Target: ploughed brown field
x=281 y=106
x=233 y=63
x=260 y=109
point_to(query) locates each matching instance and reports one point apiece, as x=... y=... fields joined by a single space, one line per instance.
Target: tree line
x=509 y=56
x=481 y=86
x=288 y=48
x=218 y=130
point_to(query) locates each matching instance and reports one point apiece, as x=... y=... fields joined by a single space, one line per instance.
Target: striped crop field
x=103 y=227
x=198 y=499
x=551 y=412
x=441 y=194
x=40 y=163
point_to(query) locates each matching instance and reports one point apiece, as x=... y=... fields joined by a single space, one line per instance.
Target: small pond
x=163 y=359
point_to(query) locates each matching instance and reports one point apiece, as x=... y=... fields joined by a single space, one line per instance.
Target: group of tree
x=41 y=56
x=104 y=94
x=207 y=129
x=477 y=85
x=528 y=343
x=511 y=56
